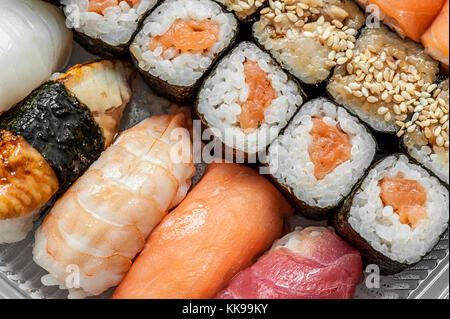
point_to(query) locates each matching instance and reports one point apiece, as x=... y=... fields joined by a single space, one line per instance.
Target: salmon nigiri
x=102 y=222
x=229 y=218
x=436 y=39
x=410 y=18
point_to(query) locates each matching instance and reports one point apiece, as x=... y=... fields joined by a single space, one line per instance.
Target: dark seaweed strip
x=58 y=126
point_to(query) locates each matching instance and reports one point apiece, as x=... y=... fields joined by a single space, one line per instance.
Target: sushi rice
x=115 y=26
x=220 y=99
x=290 y=163
x=172 y=66
x=379 y=225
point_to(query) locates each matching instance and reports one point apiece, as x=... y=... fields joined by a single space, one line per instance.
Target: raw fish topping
x=99 y=6
x=406 y=197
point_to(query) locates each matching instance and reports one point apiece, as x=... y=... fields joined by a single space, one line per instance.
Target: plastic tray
x=20 y=277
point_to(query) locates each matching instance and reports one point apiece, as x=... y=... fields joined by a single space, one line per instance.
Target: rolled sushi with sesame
x=320 y=157
x=245 y=10
x=106 y=28
x=247 y=100
x=386 y=80
x=179 y=42
x=396 y=215
x=309 y=37
x=428 y=142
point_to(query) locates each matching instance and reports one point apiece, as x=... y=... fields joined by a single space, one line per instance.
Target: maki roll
x=245 y=10
x=396 y=215
x=309 y=37
x=101 y=223
x=428 y=143
x=320 y=157
x=106 y=28
x=385 y=81
x=179 y=42
x=51 y=138
x=247 y=100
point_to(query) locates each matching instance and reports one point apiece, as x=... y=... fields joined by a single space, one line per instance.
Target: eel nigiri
x=103 y=220
x=436 y=39
x=409 y=18
x=34 y=43
x=310 y=264
x=49 y=139
x=230 y=217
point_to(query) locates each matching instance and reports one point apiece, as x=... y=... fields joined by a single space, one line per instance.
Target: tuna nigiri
x=229 y=218
x=102 y=222
x=410 y=18
x=310 y=264
x=436 y=39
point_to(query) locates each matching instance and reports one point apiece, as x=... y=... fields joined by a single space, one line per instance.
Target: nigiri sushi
x=34 y=43
x=106 y=27
x=51 y=138
x=409 y=18
x=395 y=216
x=436 y=39
x=230 y=217
x=103 y=220
x=313 y=263
x=179 y=42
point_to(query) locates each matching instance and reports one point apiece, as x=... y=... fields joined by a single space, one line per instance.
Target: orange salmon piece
x=407 y=198
x=230 y=217
x=436 y=39
x=413 y=16
x=330 y=148
x=100 y=5
x=188 y=35
x=261 y=94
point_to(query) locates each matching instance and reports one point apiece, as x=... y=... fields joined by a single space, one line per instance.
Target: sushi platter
x=200 y=149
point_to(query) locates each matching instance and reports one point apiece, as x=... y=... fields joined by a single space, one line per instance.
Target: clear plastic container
x=20 y=277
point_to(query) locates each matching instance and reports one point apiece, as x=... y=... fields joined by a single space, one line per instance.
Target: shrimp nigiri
x=103 y=220
x=230 y=217
x=436 y=39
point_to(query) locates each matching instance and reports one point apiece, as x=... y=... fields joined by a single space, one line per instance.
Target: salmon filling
x=188 y=35
x=261 y=94
x=99 y=5
x=407 y=198
x=330 y=148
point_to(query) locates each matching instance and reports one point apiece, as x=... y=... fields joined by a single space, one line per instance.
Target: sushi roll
x=179 y=42
x=309 y=37
x=436 y=39
x=247 y=100
x=51 y=138
x=320 y=157
x=229 y=218
x=106 y=27
x=396 y=215
x=34 y=43
x=103 y=220
x=429 y=145
x=245 y=10
x=385 y=81
x=409 y=18
x=313 y=263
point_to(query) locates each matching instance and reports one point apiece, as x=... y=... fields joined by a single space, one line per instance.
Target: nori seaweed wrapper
x=59 y=127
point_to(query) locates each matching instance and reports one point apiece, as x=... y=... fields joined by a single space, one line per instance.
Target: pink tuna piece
x=310 y=264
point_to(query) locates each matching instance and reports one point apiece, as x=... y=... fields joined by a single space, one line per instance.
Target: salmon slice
x=227 y=220
x=100 y=5
x=407 y=198
x=330 y=148
x=261 y=94
x=436 y=39
x=188 y=35
x=412 y=16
